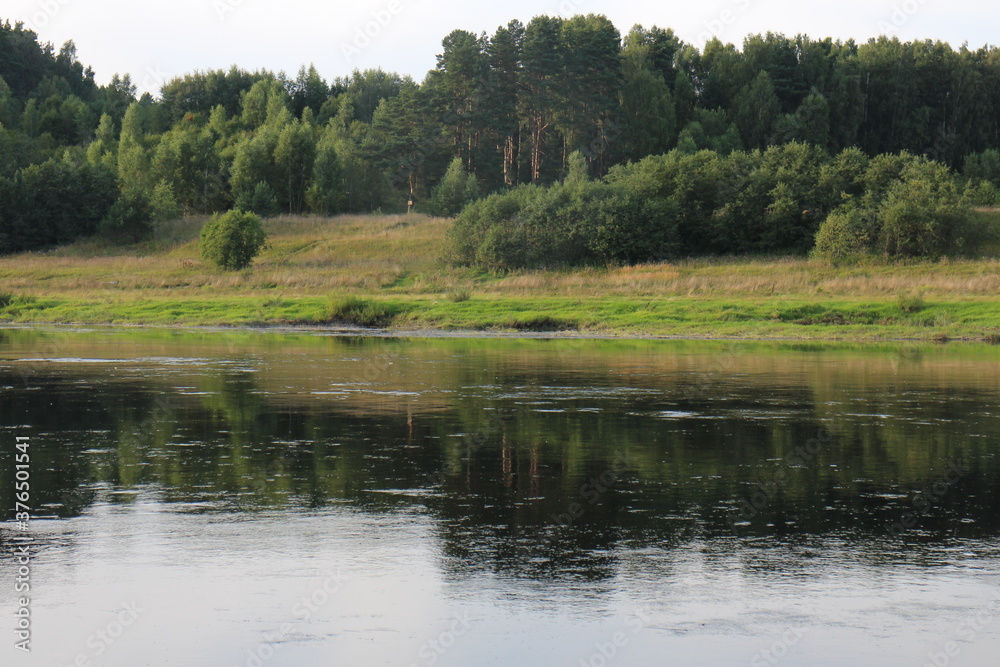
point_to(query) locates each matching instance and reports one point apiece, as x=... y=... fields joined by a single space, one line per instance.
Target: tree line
x=497 y=112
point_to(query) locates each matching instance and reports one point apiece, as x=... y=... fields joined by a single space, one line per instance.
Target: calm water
x=235 y=498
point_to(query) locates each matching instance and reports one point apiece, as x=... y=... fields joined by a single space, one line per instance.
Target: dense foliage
x=53 y=202
x=910 y=208
x=232 y=240
x=455 y=191
x=679 y=204
x=497 y=113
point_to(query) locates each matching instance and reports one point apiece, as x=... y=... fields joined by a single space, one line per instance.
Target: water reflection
x=538 y=459
x=551 y=491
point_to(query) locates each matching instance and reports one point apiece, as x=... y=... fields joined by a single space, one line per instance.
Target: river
x=249 y=498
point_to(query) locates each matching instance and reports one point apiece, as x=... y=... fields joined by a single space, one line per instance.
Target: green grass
x=766 y=318
x=383 y=271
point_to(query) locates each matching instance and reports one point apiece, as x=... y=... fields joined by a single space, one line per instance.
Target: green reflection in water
x=529 y=452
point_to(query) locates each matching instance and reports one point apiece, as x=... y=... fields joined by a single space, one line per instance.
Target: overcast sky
x=157 y=40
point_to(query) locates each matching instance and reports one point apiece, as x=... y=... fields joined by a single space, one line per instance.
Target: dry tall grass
x=765 y=278
x=400 y=254
x=305 y=255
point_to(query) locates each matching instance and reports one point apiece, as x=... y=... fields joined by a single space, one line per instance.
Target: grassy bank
x=384 y=271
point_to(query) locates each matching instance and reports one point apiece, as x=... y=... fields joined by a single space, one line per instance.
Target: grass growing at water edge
x=384 y=271
x=363 y=312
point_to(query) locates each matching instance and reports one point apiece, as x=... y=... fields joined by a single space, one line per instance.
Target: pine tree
x=541 y=80
x=647 y=107
x=501 y=96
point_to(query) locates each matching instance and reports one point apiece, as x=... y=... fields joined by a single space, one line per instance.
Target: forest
x=638 y=122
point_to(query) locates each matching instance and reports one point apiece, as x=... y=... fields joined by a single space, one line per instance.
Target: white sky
x=156 y=40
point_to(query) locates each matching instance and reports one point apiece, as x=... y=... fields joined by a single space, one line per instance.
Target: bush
x=459 y=295
x=626 y=229
x=526 y=227
x=699 y=185
x=769 y=201
x=570 y=223
x=541 y=323
x=480 y=218
x=924 y=214
x=504 y=247
x=791 y=198
x=911 y=303
x=361 y=312
x=847 y=233
x=231 y=241
x=130 y=219
x=911 y=207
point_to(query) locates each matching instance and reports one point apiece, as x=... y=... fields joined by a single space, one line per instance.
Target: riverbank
x=384 y=272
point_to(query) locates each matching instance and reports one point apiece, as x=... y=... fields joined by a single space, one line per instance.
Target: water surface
x=308 y=499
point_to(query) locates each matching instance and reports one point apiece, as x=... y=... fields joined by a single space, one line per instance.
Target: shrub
x=541 y=323
x=361 y=312
x=459 y=295
x=846 y=233
x=911 y=303
x=912 y=207
x=699 y=185
x=924 y=213
x=478 y=219
x=629 y=230
x=569 y=223
x=505 y=247
x=231 y=241
x=763 y=201
x=789 y=198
